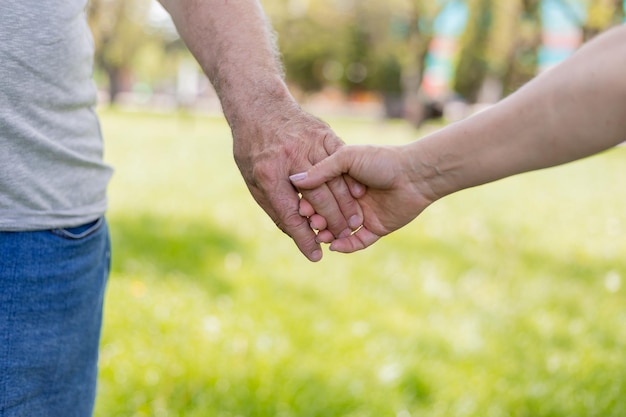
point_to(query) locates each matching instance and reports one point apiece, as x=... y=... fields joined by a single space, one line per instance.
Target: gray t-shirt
x=51 y=169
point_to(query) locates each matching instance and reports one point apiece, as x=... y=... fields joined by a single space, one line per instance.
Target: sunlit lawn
x=504 y=300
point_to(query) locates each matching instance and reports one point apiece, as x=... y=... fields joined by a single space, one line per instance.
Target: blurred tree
x=474 y=65
x=310 y=37
x=524 y=49
x=421 y=18
x=378 y=45
x=375 y=37
x=118 y=28
x=499 y=48
x=600 y=15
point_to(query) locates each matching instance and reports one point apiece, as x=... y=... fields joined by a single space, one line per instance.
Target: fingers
x=334 y=201
x=306 y=209
x=316 y=221
x=342 y=212
x=266 y=152
x=339 y=209
x=326 y=205
x=349 y=206
x=282 y=206
x=356 y=188
x=298 y=228
x=326 y=170
x=324 y=236
x=361 y=239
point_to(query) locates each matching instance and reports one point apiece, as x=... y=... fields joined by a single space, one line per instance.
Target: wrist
x=258 y=117
x=256 y=100
x=432 y=168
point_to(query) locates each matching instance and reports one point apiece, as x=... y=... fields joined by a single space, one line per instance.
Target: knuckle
x=317 y=197
x=332 y=143
x=293 y=151
x=264 y=173
x=287 y=216
x=292 y=220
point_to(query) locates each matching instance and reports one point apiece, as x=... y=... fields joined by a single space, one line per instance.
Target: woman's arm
x=573 y=110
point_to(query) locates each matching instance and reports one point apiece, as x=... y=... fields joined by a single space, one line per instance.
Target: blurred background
x=394 y=58
x=506 y=300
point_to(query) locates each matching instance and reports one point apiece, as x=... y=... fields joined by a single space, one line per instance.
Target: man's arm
x=273 y=137
x=574 y=110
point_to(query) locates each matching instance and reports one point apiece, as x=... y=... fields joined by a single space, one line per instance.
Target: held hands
x=280 y=140
x=552 y=120
x=396 y=192
x=352 y=195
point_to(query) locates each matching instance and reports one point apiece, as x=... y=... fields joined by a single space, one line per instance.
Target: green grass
x=504 y=300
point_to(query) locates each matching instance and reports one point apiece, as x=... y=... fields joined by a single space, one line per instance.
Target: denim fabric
x=52 y=287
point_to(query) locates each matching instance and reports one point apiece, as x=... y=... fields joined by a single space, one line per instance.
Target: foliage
x=504 y=300
x=600 y=15
x=334 y=45
x=123 y=37
x=474 y=64
x=499 y=46
x=377 y=45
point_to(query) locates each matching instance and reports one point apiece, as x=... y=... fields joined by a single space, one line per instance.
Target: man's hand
x=273 y=137
x=279 y=141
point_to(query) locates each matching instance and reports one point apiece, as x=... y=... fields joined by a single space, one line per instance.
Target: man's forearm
x=234 y=45
x=572 y=111
x=272 y=136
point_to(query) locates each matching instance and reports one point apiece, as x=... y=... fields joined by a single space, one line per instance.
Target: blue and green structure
x=561 y=36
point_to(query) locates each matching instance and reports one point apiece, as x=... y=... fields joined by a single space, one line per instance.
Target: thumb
x=334 y=166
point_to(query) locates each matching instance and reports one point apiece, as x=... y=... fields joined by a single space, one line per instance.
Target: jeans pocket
x=79 y=232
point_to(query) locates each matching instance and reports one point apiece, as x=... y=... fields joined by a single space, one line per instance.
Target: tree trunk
x=115 y=84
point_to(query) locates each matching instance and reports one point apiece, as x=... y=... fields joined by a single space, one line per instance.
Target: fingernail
x=316 y=255
x=354 y=222
x=358 y=189
x=297 y=177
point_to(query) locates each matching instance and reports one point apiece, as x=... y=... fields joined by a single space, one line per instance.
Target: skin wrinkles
x=272 y=136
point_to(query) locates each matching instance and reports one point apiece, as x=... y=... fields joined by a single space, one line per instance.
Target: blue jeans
x=52 y=287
